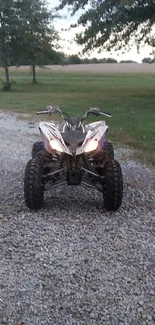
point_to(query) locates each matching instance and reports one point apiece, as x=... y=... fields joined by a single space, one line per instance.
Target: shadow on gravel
x=79 y=204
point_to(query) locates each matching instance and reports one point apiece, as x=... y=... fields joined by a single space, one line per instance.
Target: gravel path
x=73 y=262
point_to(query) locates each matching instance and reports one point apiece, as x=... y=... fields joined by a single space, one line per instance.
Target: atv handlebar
x=56 y=109
x=95 y=111
x=50 y=110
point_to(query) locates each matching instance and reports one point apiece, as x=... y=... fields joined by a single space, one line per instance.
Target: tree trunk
x=7 y=85
x=7 y=75
x=34 y=81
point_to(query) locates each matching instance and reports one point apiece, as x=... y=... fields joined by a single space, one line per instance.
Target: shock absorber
x=61 y=161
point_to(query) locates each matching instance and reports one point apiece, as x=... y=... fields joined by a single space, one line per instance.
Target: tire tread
x=38 y=146
x=33 y=187
x=108 y=147
x=113 y=185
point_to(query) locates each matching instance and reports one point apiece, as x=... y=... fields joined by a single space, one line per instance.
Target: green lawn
x=129 y=98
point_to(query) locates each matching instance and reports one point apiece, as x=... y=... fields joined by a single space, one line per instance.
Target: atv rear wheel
x=113 y=190
x=108 y=147
x=33 y=185
x=38 y=146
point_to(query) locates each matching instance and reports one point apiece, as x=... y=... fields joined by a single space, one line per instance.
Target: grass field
x=129 y=97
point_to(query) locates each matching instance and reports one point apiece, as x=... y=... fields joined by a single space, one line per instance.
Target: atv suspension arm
x=92 y=173
x=52 y=174
x=85 y=184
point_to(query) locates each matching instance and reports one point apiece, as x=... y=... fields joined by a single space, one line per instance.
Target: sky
x=69 y=46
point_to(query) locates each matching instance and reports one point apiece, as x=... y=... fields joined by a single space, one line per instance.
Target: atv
x=73 y=153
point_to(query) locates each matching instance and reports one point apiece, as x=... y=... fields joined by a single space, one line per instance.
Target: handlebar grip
x=43 y=112
x=105 y=114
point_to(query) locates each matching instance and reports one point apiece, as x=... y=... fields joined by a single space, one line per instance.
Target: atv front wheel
x=108 y=147
x=38 y=146
x=113 y=190
x=33 y=185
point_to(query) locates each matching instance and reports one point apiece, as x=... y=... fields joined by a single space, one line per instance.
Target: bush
x=7 y=86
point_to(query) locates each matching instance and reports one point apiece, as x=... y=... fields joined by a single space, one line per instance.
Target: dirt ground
x=99 y=68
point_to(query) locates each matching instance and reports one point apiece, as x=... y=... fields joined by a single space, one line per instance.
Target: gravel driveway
x=73 y=262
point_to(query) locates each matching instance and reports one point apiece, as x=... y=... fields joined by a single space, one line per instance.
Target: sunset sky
x=69 y=46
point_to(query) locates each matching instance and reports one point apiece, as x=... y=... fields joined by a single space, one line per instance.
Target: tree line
x=75 y=59
x=60 y=58
x=53 y=57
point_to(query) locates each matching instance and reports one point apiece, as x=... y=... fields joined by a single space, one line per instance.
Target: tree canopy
x=113 y=24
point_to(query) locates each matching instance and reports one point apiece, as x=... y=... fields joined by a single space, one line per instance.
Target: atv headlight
x=91 y=145
x=55 y=145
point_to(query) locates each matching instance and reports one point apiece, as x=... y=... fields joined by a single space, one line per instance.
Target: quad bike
x=75 y=154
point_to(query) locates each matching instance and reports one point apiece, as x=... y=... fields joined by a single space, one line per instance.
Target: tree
x=111 y=60
x=93 y=61
x=85 y=61
x=55 y=57
x=38 y=33
x=73 y=59
x=147 y=60
x=26 y=34
x=113 y=23
x=127 y=61
x=9 y=26
x=104 y=60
